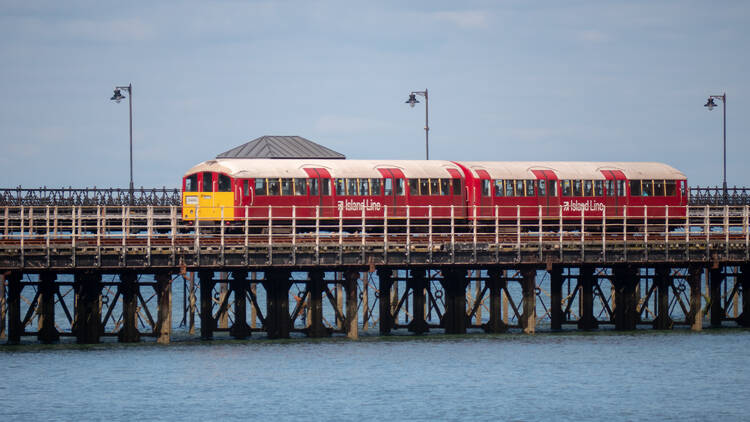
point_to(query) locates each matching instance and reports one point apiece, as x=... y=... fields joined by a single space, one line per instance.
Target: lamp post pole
x=413 y=100
x=711 y=104
x=117 y=97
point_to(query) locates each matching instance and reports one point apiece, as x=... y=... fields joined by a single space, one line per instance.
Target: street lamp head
x=710 y=104
x=412 y=100
x=117 y=97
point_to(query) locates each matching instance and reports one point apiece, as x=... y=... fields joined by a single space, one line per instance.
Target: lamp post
x=117 y=97
x=413 y=100
x=711 y=104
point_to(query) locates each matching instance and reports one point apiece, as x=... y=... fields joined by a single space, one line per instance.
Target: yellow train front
x=207 y=196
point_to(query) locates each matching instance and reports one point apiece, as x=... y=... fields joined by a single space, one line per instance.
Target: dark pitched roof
x=281 y=147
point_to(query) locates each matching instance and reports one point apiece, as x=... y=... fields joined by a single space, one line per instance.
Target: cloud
x=467 y=19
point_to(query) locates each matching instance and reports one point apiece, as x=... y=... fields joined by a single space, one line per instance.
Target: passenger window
x=588 y=188
x=286 y=187
x=325 y=187
x=577 y=188
x=340 y=187
x=647 y=188
x=509 y=187
x=400 y=188
x=566 y=188
x=313 y=187
x=388 y=187
x=351 y=187
x=225 y=183
x=542 y=188
x=273 y=187
x=635 y=188
x=670 y=187
x=445 y=187
x=621 y=188
x=300 y=187
x=499 y=187
x=658 y=188
x=364 y=187
x=598 y=188
x=260 y=187
x=530 y=187
x=375 y=187
x=413 y=187
x=552 y=187
x=208 y=184
x=610 y=188
x=457 y=187
x=485 y=185
x=191 y=183
x=424 y=186
x=434 y=187
x=245 y=188
x=519 y=188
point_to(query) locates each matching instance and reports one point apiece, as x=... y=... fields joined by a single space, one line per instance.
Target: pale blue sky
x=508 y=80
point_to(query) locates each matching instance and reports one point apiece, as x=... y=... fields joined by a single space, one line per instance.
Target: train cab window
x=300 y=187
x=424 y=186
x=340 y=187
x=260 y=187
x=273 y=187
x=445 y=187
x=364 y=187
x=683 y=188
x=413 y=186
x=647 y=188
x=610 y=187
x=542 y=188
x=552 y=187
x=191 y=183
x=325 y=187
x=635 y=188
x=658 y=188
x=245 y=188
x=375 y=187
x=566 y=188
x=499 y=191
x=351 y=187
x=670 y=188
x=225 y=183
x=577 y=188
x=598 y=188
x=485 y=188
x=519 y=188
x=388 y=185
x=400 y=187
x=313 y=183
x=208 y=184
x=530 y=187
x=434 y=186
x=286 y=187
x=621 y=188
x=588 y=188
x=457 y=187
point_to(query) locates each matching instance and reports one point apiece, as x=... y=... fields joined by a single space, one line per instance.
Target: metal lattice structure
x=715 y=196
x=89 y=196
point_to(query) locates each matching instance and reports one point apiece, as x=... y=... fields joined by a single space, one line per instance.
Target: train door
x=484 y=194
x=394 y=191
x=206 y=200
x=547 y=192
x=320 y=190
x=615 y=195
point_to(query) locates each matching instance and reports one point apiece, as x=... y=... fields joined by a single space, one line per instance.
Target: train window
x=413 y=186
x=273 y=187
x=530 y=187
x=485 y=187
x=225 y=183
x=245 y=188
x=435 y=186
x=424 y=186
x=260 y=187
x=457 y=187
x=577 y=188
x=313 y=187
x=598 y=188
x=683 y=189
x=340 y=187
x=519 y=188
x=499 y=187
x=375 y=187
x=325 y=187
x=588 y=188
x=388 y=187
x=566 y=188
x=658 y=188
x=364 y=187
x=300 y=187
x=647 y=188
x=508 y=187
x=635 y=188
x=542 y=189
x=208 y=184
x=400 y=188
x=351 y=187
x=286 y=187
x=191 y=183
x=621 y=188
x=552 y=187
x=670 y=188
x=445 y=187
x=610 y=187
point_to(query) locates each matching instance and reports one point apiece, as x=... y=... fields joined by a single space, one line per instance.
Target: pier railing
x=89 y=196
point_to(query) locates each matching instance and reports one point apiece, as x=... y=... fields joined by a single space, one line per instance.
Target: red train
x=231 y=189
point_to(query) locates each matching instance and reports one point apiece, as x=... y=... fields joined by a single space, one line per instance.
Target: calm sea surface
x=574 y=376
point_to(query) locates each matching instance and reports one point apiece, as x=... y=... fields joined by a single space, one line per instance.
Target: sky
x=507 y=81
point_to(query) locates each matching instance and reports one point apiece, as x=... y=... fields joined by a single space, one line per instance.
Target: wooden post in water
x=350 y=286
x=528 y=288
x=47 y=290
x=744 y=279
x=15 y=326
x=339 y=301
x=192 y=304
x=129 y=291
x=587 y=319
x=454 y=283
x=663 y=282
x=625 y=281
x=555 y=307
x=315 y=288
x=3 y=333
x=208 y=323
x=239 y=286
x=365 y=300
x=164 y=307
x=477 y=294
x=223 y=317
x=695 y=317
x=278 y=322
x=495 y=284
x=385 y=284
x=88 y=314
x=254 y=293
x=716 y=278
x=417 y=283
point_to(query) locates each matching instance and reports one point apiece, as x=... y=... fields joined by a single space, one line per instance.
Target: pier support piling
x=315 y=289
x=496 y=284
x=350 y=287
x=46 y=308
x=3 y=333
x=587 y=320
x=555 y=307
x=129 y=291
x=454 y=283
x=15 y=325
x=88 y=314
x=663 y=283
x=385 y=283
x=239 y=286
x=744 y=281
x=208 y=323
x=716 y=278
x=528 y=289
x=626 y=299
x=417 y=283
x=163 y=329
x=277 y=286
x=695 y=316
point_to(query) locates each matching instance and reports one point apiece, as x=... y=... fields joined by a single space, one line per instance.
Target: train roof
x=573 y=169
x=251 y=168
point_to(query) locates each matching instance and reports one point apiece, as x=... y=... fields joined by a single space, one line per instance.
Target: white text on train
x=583 y=206
x=364 y=204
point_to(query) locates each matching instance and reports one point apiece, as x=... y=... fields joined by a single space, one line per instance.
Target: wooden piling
x=528 y=288
x=587 y=320
x=208 y=323
x=662 y=321
x=278 y=322
x=495 y=284
x=46 y=308
x=417 y=283
x=15 y=325
x=743 y=278
x=556 y=310
x=129 y=292
x=385 y=284
x=454 y=283
x=239 y=285
x=163 y=329
x=87 y=325
x=625 y=280
x=3 y=332
x=222 y=319
x=352 y=299
x=315 y=288
x=716 y=278
x=695 y=316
